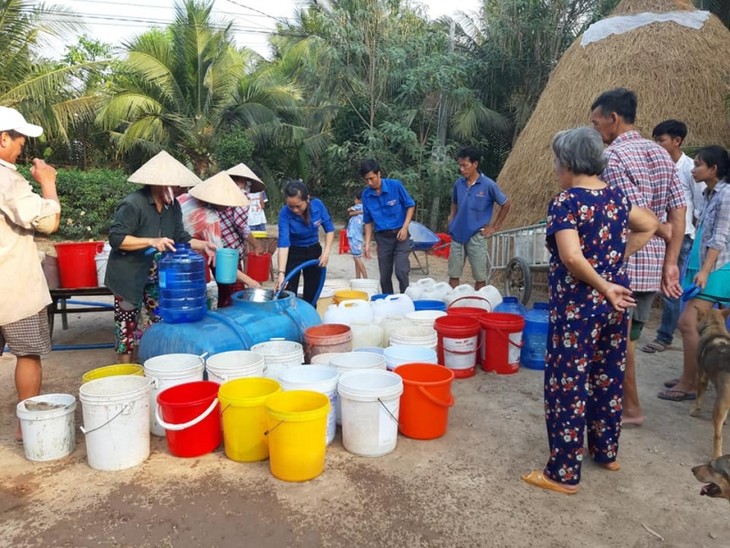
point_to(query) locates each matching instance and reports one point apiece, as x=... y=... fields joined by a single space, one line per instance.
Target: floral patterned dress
x=586 y=350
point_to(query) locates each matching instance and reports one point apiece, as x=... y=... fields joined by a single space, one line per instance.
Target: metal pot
x=254 y=295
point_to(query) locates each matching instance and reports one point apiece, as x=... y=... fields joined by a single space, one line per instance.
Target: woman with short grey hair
x=588 y=238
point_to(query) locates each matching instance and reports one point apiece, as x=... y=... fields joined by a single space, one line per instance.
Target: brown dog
x=716 y=475
x=713 y=361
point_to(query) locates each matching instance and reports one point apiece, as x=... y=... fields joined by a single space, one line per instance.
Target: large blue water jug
x=511 y=305
x=535 y=337
x=182 y=285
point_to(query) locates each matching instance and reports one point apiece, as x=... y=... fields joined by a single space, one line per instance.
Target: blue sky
x=113 y=21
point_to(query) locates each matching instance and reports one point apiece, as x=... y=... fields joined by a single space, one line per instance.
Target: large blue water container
x=535 y=336
x=182 y=285
x=237 y=327
x=511 y=305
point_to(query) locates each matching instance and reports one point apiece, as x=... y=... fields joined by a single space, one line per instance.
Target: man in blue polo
x=472 y=201
x=387 y=211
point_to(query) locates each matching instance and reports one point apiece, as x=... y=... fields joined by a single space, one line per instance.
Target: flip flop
x=676 y=395
x=538 y=479
x=672 y=383
x=654 y=346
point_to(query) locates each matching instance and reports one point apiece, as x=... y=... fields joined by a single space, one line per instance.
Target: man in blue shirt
x=387 y=211
x=472 y=201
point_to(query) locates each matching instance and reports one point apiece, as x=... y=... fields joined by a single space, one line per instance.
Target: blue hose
x=90 y=303
x=296 y=270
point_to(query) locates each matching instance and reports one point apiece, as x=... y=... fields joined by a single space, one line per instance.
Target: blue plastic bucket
x=429 y=305
x=226 y=265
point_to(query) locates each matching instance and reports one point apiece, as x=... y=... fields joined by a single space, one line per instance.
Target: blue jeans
x=670 y=315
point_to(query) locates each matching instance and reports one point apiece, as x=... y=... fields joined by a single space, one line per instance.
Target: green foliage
x=234 y=146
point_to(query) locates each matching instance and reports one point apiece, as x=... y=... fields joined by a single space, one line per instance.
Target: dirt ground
x=460 y=490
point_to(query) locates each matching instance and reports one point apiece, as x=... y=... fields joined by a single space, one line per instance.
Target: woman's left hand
x=620 y=297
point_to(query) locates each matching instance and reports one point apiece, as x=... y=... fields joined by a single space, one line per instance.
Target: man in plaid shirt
x=646 y=174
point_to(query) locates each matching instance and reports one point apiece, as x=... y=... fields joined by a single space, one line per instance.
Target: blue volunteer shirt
x=474 y=206
x=294 y=232
x=386 y=211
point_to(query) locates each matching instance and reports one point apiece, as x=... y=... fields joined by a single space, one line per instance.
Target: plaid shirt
x=234 y=228
x=648 y=176
x=715 y=224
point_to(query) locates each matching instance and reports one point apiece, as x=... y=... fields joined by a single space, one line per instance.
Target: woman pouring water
x=299 y=223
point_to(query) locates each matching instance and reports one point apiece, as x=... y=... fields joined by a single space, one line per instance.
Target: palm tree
x=180 y=88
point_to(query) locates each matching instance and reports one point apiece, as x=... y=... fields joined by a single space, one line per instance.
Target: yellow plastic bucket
x=244 y=417
x=297 y=421
x=112 y=371
x=350 y=295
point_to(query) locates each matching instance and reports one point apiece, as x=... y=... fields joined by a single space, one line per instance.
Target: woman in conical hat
x=206 y=210
x=147 y=219
x=250 y=182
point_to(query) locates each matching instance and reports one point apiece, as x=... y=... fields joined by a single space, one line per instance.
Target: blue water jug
x=511 y=305
x=182 y=285
x=535 y=336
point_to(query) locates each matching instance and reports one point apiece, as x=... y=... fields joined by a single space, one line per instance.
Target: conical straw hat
x=242 y=170
x=220 y=190
x=164 y=170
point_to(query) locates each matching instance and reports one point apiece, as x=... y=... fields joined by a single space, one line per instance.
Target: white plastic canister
x=318 y=378
x=116 y=421
x=279 y=355
x=47 y=424
x=235 y=364
x=170 y=370
x=370 y=402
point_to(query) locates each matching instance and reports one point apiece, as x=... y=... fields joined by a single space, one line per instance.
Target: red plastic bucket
x=502 y=341
x=190 y=415
x=258 y=267
x=327 y=338
x=77 y=264
x=458 y=343
x=426 y=399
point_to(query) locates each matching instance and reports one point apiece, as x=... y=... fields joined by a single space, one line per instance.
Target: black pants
x=312 y=274
x=392 y=252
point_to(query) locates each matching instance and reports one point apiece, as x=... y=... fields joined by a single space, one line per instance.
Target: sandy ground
x=460 y=490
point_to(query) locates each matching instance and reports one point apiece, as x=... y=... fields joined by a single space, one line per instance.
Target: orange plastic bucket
x=77 y=263
x=326 y=338
x=503 y=341
x=258 y=267
x=426 y=399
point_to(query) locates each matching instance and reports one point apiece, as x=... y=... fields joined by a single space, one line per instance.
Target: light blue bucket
x=398 y=354
x=226 y=265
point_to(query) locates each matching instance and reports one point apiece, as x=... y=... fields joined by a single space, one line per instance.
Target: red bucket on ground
x=472 y=312
x=77 y=264
x=258 y=267
x=426 y=399
x=458 y=343
x=503 y=342
x=327 y=338
x=190 y=414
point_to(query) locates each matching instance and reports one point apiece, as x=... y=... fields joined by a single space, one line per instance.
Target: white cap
x=12 y=120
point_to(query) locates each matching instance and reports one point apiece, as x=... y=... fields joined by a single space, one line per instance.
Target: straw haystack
x=676 y=72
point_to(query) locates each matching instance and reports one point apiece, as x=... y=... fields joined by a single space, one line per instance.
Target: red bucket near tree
x=258 y=267
x=77 y=263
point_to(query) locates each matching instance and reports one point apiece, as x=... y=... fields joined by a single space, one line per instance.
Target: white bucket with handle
x=235 y=364
x=279 y=354
x=47 y=425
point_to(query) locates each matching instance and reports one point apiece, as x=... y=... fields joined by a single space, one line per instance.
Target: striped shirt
x=715 y=224
x=646 y=174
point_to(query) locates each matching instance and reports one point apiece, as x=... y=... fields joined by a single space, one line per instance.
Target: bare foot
x=19 y=434
x=637 y=420
x=610 y=466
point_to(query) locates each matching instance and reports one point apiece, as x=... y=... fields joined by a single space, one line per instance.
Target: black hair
x=715 y=156
x=673 y=128
x=472 y=153
x=622 y=101
x=295 y=188
x=358 y=194
x=13 y=134
x=367 y=166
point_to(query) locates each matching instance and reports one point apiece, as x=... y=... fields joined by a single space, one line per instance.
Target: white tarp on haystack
x=625 y=23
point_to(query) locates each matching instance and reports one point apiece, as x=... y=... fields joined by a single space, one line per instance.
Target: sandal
x=654 y=346
x=673 y=394
x=538 y=479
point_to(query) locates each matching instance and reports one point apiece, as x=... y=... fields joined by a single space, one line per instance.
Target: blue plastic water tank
x=511 y=305
x=237 y=327
x=535 y=336
x=182 y=285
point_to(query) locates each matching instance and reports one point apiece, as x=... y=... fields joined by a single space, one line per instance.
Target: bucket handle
x=184 y=426
x=509 y=340
x=473 y=296
x=388 y=411
x=435 y=400
x=124 y=408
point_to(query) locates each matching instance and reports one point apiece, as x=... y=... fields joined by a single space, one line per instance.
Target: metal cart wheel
x=518 y=279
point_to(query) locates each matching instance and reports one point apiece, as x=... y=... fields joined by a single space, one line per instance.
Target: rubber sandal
x=538 y=479
x=672 y=383
x=676 y=395
x=654 y=346
x=613 y=466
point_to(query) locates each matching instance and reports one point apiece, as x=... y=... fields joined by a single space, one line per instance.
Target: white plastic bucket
x=415 y=335
x=116 y=421
x=279 y=355
x=323 y=359
x=347 y=362
x=318 y=378
x=170 y=370
x=366 y=335
x=101 y=259
x=402 y=353
x=369 y=285
x=235 y=364
x=336 y=284
x=373 y=349
x=370 y=402
x=425 y=318
x=47 y=424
